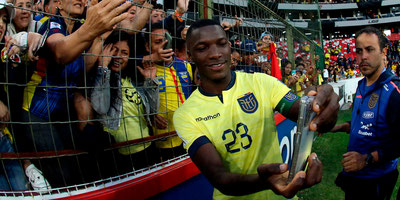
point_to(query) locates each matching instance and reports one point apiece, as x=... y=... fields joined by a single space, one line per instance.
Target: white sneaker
x=36 y=178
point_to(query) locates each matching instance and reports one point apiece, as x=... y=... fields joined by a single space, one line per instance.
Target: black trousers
x=374 y=189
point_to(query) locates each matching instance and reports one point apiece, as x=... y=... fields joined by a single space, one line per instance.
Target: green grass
x=329 y=149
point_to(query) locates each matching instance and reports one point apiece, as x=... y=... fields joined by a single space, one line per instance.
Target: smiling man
x=370 y=165
x=228 y=127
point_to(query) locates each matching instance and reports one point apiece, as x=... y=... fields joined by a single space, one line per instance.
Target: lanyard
x=176 y=84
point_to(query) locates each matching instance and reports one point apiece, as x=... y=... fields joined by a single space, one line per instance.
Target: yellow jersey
x=133 y=124
x=175 y=86
x=239 y=123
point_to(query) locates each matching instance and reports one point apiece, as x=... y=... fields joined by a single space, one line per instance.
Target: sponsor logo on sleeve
x=290 y=96
x=54 y=25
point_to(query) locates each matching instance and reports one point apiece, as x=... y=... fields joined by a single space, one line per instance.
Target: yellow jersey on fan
x=133 y=124
x=175 y=86
x=239 y=123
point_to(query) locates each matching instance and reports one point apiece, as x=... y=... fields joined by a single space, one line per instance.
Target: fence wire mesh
x=86 y=97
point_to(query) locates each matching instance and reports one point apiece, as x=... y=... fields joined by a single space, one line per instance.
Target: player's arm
x=269 y=176
x=289 y=106
x=391 y=150
x=325 y=105
x=344 y=127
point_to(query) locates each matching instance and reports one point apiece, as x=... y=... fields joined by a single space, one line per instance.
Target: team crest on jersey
x=373 y=100
x=184 y=76
x=248 y=103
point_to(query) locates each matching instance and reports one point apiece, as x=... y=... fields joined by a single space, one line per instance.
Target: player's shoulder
x=395 y=95
x=190 y=105
x=252 y=76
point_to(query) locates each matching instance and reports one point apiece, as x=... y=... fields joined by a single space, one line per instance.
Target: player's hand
x=353 y=161
x=275 y=175
x=314 y=171
x=326 y=106
x=161 y=122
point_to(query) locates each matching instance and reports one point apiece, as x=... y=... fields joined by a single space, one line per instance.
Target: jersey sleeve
x=187 y=130
x=190 y=71
x=56 y=27
x=276 y=90
x=390 y=151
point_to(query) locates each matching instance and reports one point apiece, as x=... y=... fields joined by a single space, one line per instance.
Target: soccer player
x=370 y=165
x=228 y=127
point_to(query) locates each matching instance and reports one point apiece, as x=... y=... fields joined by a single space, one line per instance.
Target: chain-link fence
x=89 y=89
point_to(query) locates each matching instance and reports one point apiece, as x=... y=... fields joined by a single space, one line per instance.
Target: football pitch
x=329 y=149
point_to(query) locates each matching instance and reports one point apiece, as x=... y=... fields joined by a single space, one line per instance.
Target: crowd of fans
x=109 y=75
x=89 y=75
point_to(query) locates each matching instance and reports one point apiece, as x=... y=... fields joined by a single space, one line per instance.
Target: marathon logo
x=209 y=117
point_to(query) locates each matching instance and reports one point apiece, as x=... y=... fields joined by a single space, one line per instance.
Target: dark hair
x=297 y=66
x=298 y=60
x=199 y=24
x=154 y=27
x=157 y=26
x=45 y=2
x=158 y=6
x=130 y=70
x=283 y=65
x=383 y=41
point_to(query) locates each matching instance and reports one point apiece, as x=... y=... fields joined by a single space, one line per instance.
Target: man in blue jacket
x=370 y=165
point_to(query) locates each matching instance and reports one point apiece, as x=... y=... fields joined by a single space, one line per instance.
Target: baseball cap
x=248 y=46
x=266 y=33
x=9 y=8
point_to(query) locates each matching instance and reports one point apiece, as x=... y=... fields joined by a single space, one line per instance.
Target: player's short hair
x=383 y=41
x=199 y=24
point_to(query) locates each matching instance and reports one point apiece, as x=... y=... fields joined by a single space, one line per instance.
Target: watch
x=370 y=159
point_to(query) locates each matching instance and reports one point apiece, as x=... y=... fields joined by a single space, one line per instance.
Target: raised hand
x=103 y=16
x=107 y=54
x=149 y=70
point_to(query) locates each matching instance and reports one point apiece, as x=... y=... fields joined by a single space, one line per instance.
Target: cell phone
x=168 y=37
x=42 y=41
x=293 y=72
x=303 y=138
